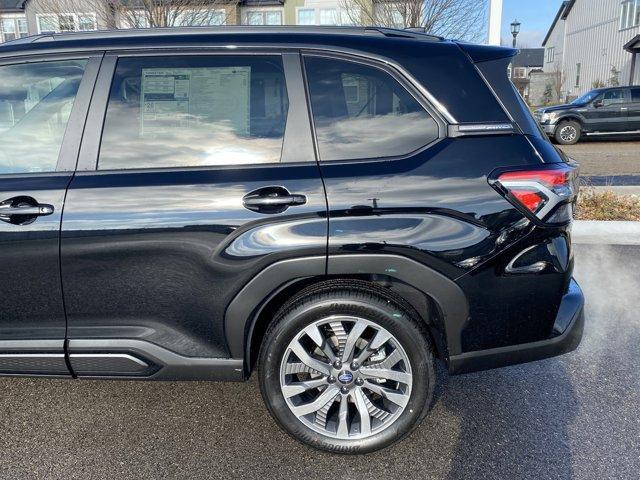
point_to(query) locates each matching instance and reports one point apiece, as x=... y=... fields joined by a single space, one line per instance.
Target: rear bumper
x=567 y=329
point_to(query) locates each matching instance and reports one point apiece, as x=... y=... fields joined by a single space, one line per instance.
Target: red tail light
x=547 y=191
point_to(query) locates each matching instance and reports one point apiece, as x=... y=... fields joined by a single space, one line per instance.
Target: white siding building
x=594 y=43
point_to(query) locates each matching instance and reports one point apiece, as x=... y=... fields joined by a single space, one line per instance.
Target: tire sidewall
x=383 y=313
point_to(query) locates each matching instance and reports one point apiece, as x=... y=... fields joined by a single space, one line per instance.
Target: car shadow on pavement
x=511 y=423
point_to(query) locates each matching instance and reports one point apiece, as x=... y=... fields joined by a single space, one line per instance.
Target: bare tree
x=461 y=19
x=135 y=13
x=558 y=79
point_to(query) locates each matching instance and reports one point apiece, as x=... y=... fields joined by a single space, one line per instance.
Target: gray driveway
x=569 y=417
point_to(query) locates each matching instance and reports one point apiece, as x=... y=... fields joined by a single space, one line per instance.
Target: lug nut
x=344 y=390
x=354 y=365
x=337 y=364
x=331 y=379
x=359 y=381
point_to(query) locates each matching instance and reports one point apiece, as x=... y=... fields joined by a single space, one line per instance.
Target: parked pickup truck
x=603 y=111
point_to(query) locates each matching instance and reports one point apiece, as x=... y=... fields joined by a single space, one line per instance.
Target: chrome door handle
x=7 y=210
x=272 y=199
x=23 y=210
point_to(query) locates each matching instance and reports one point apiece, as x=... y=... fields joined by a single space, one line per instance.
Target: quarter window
x=360 y=111
x=35 y=104
x=195 y=111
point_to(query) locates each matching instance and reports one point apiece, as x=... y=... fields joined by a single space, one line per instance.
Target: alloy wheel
x=346 y=377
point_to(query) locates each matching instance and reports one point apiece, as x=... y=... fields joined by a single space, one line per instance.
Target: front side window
x=361 y=111
x=35 y=104
x=613 y=97
x=635 y=95
x=195 y=111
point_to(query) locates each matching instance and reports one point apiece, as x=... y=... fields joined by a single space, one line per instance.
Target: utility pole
x=495 y=21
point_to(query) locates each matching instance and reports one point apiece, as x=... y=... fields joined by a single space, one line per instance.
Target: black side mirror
x=598 y=103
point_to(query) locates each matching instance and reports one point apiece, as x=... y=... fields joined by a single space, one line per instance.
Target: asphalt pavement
x=573 y=417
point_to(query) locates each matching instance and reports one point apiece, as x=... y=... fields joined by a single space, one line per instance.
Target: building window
x=200 y=18
x=551 y=54
x=12 y=27
x=329 y=16
x=578 y=68
x=135 y=19
x=66 y=22
x=519 y=72
x=629 y=14
x=263 y=17
x=306 y=16
x=326 y=16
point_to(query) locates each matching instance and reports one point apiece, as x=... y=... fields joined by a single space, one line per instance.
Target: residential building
x=593 y=43
x=20 y=18
x=527 y=61
x=13 y=20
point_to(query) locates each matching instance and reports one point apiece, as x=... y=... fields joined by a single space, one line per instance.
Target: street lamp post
x=515 y=30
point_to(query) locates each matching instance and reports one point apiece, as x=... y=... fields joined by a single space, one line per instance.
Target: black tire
x=364 y=300
x=568 y=133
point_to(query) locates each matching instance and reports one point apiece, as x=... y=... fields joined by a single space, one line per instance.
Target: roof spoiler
x=485 y=53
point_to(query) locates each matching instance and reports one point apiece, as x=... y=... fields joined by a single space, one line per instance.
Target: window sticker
x=177 y=98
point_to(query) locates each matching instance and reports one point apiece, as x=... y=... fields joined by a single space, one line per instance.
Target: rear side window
x=195 y=111
x=635 y=95
x=35 y=105
x=361 y=111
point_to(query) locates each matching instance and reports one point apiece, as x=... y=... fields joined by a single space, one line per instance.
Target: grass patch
x=606 y=205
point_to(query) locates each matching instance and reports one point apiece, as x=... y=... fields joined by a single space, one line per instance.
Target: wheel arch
x=572 y=117
x=250 y=311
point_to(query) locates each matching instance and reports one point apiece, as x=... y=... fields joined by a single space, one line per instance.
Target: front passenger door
x=42 y=111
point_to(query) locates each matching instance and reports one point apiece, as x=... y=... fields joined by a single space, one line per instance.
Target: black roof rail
x=423 y=31
x=171 y=31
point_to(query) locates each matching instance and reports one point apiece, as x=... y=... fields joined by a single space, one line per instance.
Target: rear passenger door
x=634 y=109
x=43 y=104
x=202 y=174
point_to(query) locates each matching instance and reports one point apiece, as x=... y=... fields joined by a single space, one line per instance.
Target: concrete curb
x=607 y=233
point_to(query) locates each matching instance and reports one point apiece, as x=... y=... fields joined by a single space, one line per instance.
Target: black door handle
x=272 y=200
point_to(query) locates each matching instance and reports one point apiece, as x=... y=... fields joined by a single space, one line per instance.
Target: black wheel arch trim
x=244 y=309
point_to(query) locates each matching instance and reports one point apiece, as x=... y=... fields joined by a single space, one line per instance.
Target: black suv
x=603 y=111
x=334 y=208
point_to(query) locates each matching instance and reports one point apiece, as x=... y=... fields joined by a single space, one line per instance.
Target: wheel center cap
x=345 y=377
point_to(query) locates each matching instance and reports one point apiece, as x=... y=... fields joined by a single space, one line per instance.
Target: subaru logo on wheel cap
x=345 y=377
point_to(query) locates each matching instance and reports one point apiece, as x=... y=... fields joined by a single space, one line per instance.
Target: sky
x=534 y=15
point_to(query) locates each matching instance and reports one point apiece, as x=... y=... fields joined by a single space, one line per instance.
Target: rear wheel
x=568 y=133
x=346 y=369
